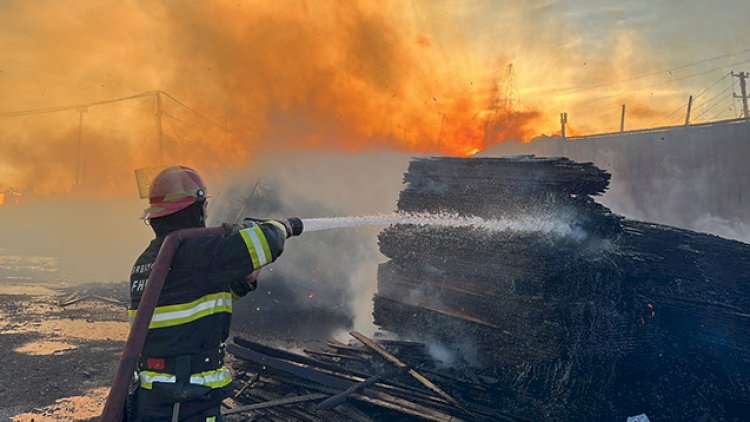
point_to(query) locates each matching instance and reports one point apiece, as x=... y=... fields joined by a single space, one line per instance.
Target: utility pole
x=159 y=131
x=690 y=107
x=743 y=89
x=79 y=177
x=509 y=90
x=226 y=126
x=622 y=119
x=563 y=122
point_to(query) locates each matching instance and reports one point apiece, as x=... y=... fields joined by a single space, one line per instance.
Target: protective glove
x=243 y=287
x=292 y=226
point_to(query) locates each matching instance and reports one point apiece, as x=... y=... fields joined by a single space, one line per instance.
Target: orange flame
x=263 y=77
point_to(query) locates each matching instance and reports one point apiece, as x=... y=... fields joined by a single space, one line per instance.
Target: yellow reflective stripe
x=264 y=243
x=215 y=378
x=171 y=315
x=250 y=247
x=257 y=246
x=147 y=378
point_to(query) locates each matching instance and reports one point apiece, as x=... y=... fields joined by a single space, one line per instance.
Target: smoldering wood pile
x=368 y=380
x=607 y=319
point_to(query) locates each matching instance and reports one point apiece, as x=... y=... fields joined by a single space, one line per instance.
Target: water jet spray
x=450 y=220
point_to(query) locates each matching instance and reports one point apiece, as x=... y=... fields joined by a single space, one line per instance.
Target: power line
x=712 y=85
x=669 y=115
x=683 y=107
x=698 y=74
x=47 y=110
x=183 y=105
x=717 y=96
x=713 y=106
x=672 y=81
x=174 y=130
x=588 y=88
x=719 y=114
x=174 y=118
x=710 y=59
x=132 y=154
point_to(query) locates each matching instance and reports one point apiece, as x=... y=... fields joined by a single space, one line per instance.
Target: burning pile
x=613 y=319
x=571 y=313
x=452 y=282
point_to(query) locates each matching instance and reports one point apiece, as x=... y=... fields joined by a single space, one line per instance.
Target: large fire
x=245 y=77
x=352 y=76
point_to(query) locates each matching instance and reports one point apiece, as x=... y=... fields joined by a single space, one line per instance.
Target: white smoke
x=332 y=271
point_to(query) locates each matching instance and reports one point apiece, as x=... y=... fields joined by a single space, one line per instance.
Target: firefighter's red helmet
x=172 y=190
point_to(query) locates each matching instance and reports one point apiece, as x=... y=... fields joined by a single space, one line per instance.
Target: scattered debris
x=417 y=376
x=80 y=296
x=322 y=386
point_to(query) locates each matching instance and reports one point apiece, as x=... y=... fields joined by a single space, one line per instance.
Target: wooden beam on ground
x=109 y=300
x=341 y=346
x=274 y=403
x=74 y=299
x=293 y=357
x=252 y=380
x=333 y=355
x=393 y=359
x=407 y=407
x=341 y=397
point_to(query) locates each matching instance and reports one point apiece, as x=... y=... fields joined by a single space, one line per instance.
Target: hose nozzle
x=292 y=224
x=295 y=223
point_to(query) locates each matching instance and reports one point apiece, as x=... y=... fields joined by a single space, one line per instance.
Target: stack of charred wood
x=602 y=319
x=572 y=314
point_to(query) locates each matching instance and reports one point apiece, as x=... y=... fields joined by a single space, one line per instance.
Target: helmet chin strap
x=190 y=217
x=202 y=200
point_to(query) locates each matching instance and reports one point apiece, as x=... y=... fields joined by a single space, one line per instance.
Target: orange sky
x=418 y=76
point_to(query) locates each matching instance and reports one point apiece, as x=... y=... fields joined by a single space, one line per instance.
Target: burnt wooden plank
x=396 y=361
x=274 y=403
x=341 y=397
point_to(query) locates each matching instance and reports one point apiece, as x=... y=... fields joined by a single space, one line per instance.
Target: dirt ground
x=61 y=341
x=58 y=361
x=61 y=344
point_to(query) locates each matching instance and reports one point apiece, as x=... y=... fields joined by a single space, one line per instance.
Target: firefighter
x=180 y=373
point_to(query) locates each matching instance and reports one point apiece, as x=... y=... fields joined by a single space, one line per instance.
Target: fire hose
x=115 y=404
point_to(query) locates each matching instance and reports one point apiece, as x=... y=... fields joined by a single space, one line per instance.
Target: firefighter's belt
x=200 y=362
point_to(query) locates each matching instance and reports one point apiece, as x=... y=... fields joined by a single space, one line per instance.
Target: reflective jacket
x=194 y=310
